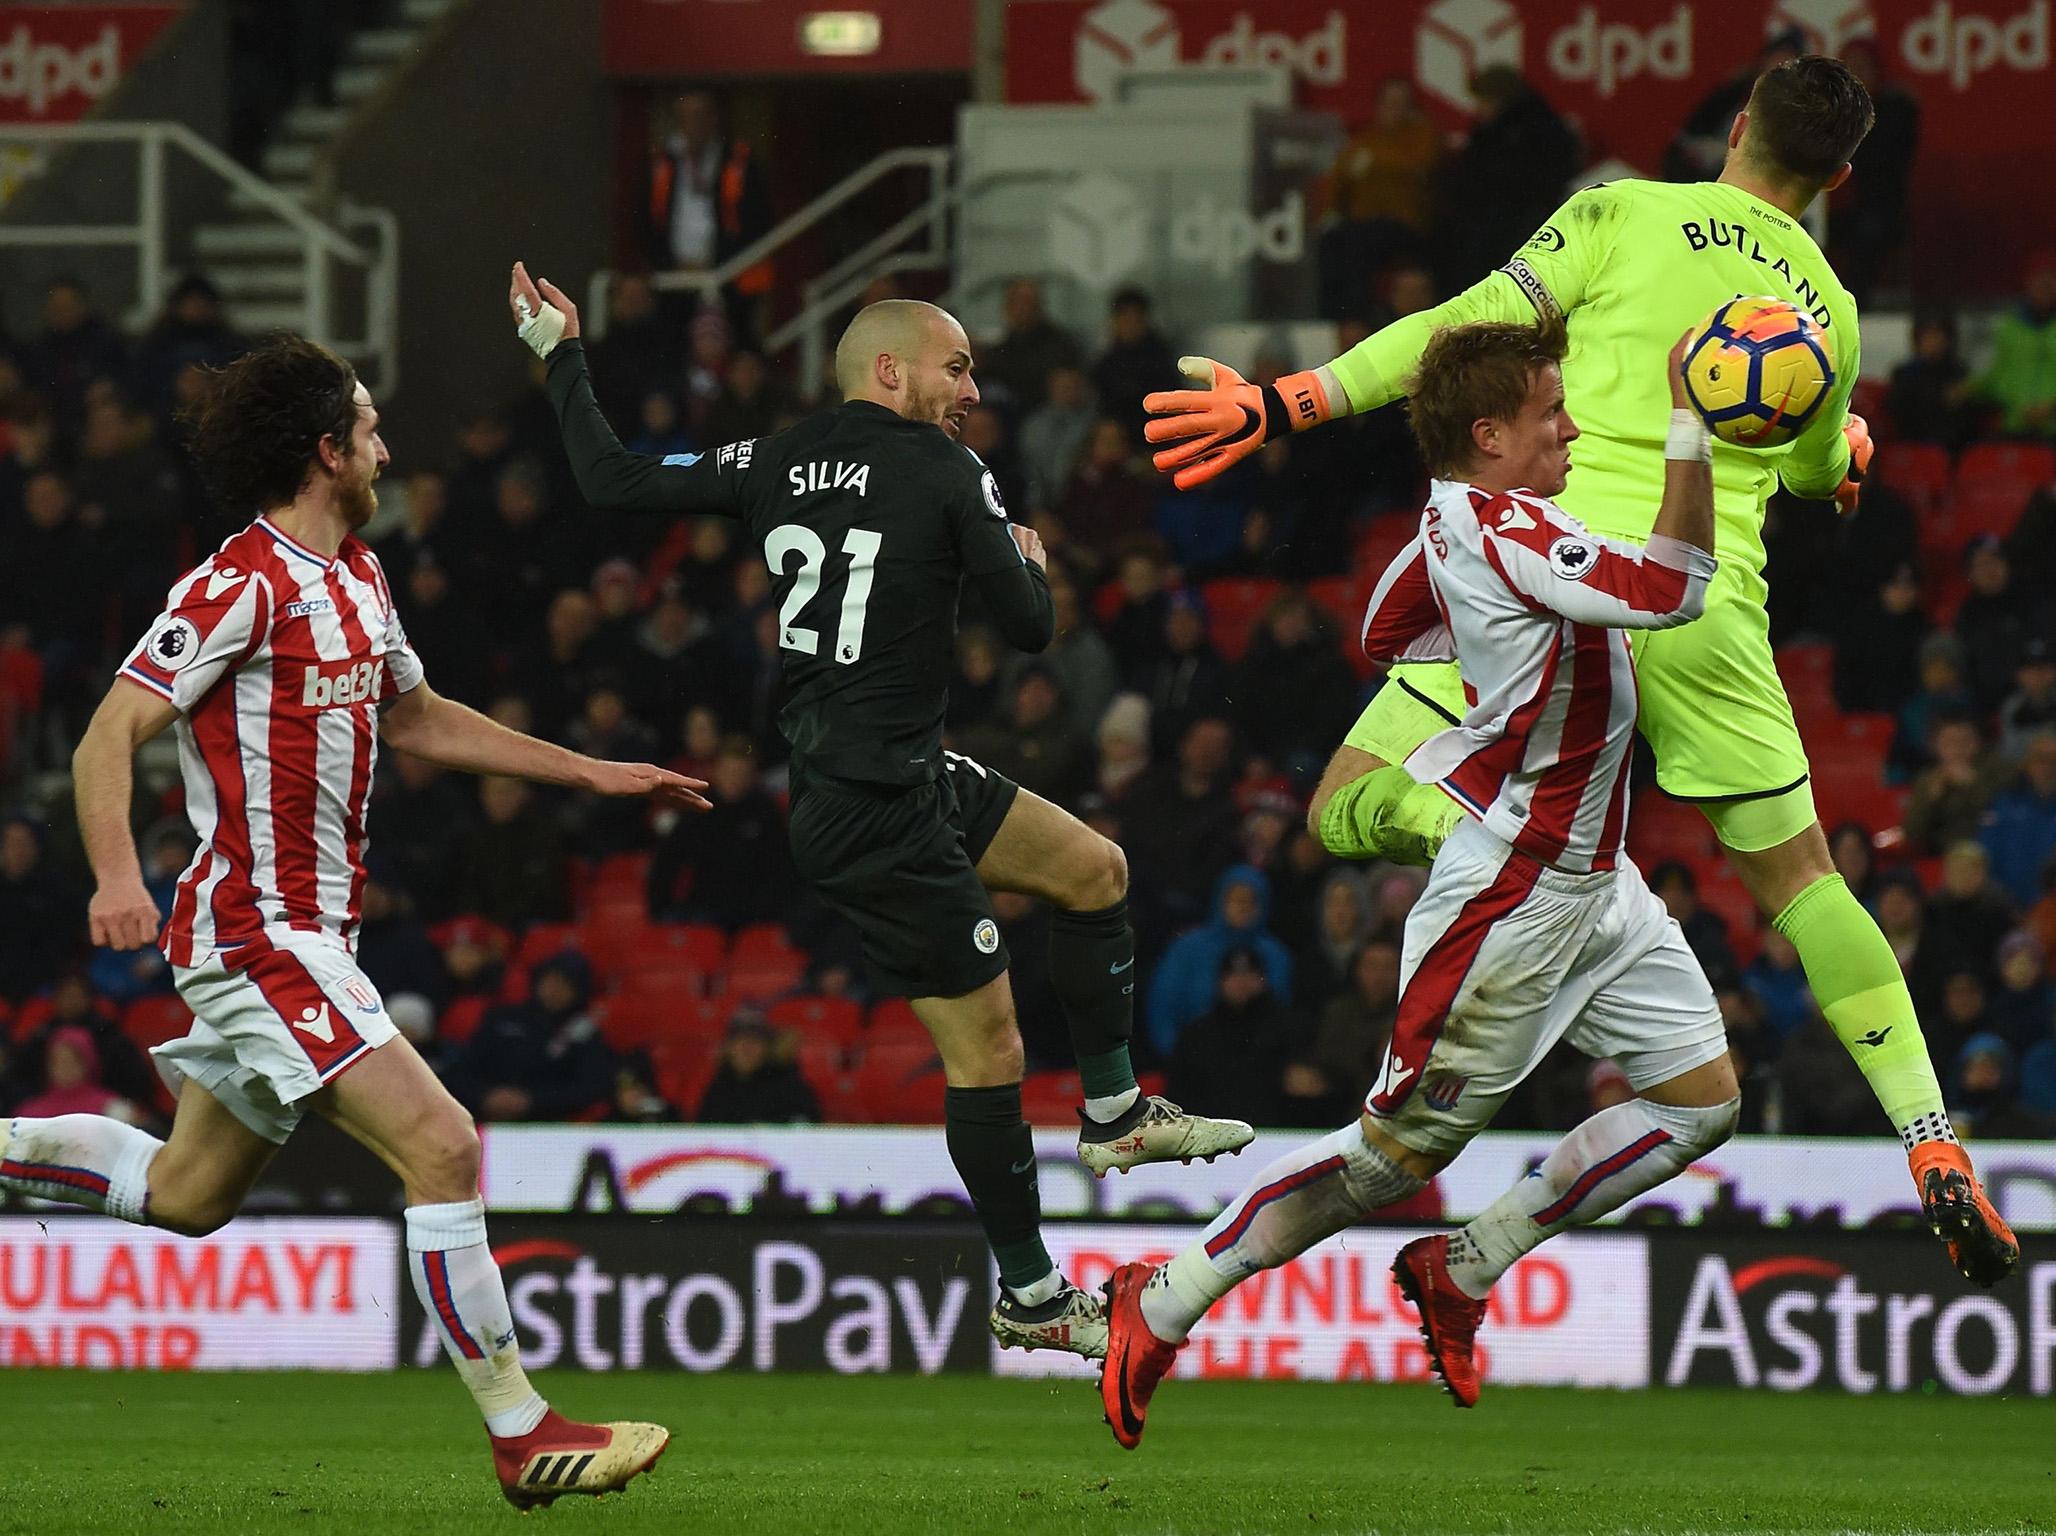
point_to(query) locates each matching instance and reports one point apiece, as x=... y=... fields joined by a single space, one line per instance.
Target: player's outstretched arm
x=440 y=730
x=1553 y=562
x=1200 y=432
x=608 y=475
x=1549 y=276
x=121 y=914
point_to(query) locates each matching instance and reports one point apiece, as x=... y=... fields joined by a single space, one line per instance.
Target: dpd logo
x=1097 y=230
x=1826 y=24
x=1100 y=232
x=1964 y=47
x=1122 y=35
x=1457 y=38
x=40 y=73
x=1606 y=55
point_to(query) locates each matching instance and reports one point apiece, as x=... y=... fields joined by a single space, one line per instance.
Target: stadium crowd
x=562 y=957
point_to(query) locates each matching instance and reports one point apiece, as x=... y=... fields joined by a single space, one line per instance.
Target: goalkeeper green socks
x=1387 y=814
x=1856 y=980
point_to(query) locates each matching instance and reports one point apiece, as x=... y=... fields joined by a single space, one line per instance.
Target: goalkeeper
x=1628 y=265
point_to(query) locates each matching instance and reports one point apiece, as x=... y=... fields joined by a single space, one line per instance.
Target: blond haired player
x=1535 y=925
x=1627 y=265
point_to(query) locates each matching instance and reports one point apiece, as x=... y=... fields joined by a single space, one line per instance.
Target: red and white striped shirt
x=1532 y=606
x=277 y=659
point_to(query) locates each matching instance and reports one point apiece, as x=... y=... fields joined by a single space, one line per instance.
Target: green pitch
x=356 y=1454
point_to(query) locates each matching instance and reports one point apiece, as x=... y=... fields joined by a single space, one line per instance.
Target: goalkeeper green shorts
x=1713 y=709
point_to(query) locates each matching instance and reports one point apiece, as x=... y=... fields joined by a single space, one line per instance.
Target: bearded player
x=281 y=661
x=1627 y=265
x=1535 y=926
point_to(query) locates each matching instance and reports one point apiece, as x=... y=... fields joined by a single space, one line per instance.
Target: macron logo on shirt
x=329 y=684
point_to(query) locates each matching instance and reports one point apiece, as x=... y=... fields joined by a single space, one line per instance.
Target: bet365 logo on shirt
x=329 y=684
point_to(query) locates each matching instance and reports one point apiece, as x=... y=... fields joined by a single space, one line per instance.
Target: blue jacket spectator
x=2022 y=1002
x=122 y=976
x=2019 y=831
x=1188 y=977
x=1779 y=982
x=2038 y=1077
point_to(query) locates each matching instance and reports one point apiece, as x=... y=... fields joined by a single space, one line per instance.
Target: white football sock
x=86 y=1160
x=459 y=1284
x=1303 y=1197
x=1600 y=1166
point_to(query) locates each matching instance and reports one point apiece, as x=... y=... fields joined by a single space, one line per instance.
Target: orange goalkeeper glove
x=1228 y=420
x=1857 y=430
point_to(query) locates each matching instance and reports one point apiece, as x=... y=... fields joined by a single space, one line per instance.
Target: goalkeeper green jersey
x=1630 y=265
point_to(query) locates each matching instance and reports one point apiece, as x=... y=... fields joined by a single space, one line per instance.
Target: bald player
x=872 y=517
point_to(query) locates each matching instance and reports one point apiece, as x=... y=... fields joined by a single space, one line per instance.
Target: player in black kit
x=872 y=517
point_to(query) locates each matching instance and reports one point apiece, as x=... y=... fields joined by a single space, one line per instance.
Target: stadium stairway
x=252 y=257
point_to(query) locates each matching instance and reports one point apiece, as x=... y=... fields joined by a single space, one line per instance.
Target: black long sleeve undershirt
x=613 y=479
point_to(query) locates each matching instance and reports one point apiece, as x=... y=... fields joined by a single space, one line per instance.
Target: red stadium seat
x=834 y=1021
x=151 y=1021
x=1722 y=893
x=2010 y=471
x=1661 y=829
x=761 y=938
x=1807 y=671
x=1106 y=602
x=461 y=1018
x=1869 y=801
x=31 y=1015
x=1867 y=399
x=895 y=1085
x=543 y=940
x=1848 y=765
x=1917 y=471
x=476 y=930
x=21 y=679
x=631 y=1019
x=1380 y=544
x=894 y=1021
x=1234 y=605
x=766 y=975
x=695 y=946
x=764 y=964
x=620 y=888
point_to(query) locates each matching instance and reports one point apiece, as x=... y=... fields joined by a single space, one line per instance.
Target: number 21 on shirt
x=862 y=547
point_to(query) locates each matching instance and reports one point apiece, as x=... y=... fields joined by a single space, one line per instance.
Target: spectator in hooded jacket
x=2019 y=829
x=756 y=1083
x=1187 y=977
x=542 y=1059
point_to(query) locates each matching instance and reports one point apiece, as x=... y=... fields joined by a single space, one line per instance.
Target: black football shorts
x=901 y=864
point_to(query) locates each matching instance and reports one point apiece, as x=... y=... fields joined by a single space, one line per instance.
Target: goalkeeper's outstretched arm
x=1200 y=432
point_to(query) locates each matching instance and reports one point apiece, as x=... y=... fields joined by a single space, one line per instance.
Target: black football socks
x=1092 y=971
x=994 y=1153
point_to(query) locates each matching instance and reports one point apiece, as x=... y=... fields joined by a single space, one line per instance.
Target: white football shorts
x=273 y=1021
x=1503 y=957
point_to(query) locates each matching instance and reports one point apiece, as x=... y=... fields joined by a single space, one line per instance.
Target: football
x=1758 y=370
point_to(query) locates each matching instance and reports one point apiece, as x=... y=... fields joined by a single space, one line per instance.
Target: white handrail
x=320 y=242
x=935 y=159
x=240 y=177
